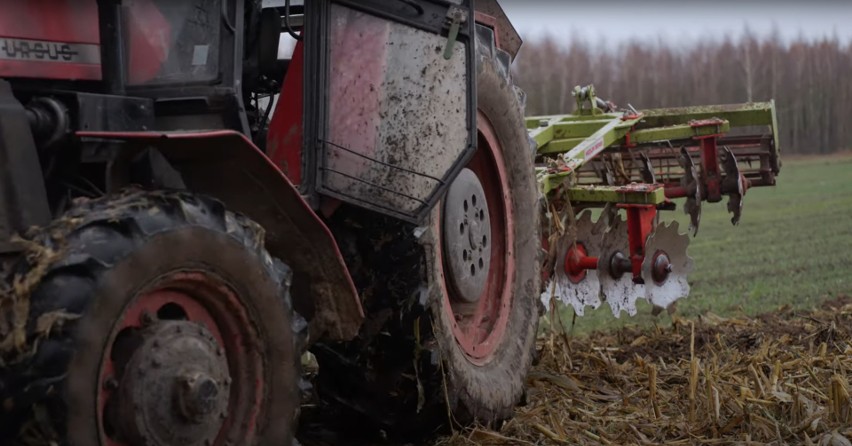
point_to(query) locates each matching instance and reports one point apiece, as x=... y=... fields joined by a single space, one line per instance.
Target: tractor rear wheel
x=154 y=319
x=482 y=256
x=452 y=307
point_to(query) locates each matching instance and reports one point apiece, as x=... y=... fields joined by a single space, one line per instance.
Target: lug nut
x=110 y=383
x=147 y=318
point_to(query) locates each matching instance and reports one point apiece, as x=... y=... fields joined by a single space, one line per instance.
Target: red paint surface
x=710 y=169
x=284 y=140
x=675 y=191
x=67 y=21
x=359 y=46
x=640 y=223
x=149 y=38
x=577 y=262
x=76 y=21
x=344 y=313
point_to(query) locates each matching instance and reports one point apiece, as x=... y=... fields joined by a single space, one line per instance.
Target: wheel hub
x=666 y=265
x=619 y=264
x=197 y=396
x=661 y=267
x=467 y=236
x=175 y=388
x=572 y=261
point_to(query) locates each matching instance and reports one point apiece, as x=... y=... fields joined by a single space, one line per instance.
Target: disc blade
x=733 y=183
x=585 y=292
x=690 y=182
x=620 y=293
x=668 y=240
x=648 y=175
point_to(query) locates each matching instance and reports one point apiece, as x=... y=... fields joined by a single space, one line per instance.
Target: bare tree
x=809 y=79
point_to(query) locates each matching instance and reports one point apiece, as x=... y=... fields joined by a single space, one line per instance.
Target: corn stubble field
x=760 y=352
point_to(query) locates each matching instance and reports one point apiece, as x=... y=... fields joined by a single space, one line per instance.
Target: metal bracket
x=710 y=171
x=640 y=224
x=587 y=94
x=456 y=17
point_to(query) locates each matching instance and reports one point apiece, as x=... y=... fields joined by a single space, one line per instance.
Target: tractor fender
x=491 y=14
x=228 y=166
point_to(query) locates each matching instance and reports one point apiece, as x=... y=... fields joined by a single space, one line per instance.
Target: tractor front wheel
x=155 y=319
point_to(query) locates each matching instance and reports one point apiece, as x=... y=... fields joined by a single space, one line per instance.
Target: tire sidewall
x=185 y=249
x=490 y=391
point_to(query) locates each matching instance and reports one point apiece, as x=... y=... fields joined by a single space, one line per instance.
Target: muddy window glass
x=398 y=104
x=172 y=42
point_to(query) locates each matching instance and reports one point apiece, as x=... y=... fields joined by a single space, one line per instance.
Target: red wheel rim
x=479 y=327
x=208 y=302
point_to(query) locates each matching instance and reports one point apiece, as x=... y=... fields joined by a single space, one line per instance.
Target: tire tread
x=82 y=245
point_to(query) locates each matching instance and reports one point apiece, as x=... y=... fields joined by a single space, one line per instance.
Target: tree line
x=810 y=80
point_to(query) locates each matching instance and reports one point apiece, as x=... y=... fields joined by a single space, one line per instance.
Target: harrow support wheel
x=159 y=319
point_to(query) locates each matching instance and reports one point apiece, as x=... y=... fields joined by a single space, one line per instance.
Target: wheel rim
x=479 y=324
x=181 y=366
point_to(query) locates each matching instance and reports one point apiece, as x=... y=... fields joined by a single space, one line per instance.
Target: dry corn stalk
x=781 y=378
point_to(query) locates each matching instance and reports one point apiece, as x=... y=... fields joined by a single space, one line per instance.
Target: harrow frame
x=641 y=161
x=572 y=141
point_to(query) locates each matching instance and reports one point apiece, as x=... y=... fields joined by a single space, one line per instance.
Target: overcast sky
x=678 y=21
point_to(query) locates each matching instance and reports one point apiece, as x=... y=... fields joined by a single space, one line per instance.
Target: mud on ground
x=779 y=378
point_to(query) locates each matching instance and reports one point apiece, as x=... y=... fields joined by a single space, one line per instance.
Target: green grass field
x=793 y=246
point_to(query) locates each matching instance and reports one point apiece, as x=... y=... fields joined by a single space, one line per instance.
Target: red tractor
x=170 y=252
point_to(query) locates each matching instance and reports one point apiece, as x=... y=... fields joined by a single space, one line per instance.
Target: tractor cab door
x=390 y=112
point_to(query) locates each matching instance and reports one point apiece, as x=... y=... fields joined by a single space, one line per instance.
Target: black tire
x=94 y=262
x=406 y=368
x=489 y=392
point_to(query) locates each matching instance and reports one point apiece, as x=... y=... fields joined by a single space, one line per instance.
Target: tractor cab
x=210 y=188
x=126 y=65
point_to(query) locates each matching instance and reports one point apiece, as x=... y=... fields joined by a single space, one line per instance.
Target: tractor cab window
x=170 y=42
